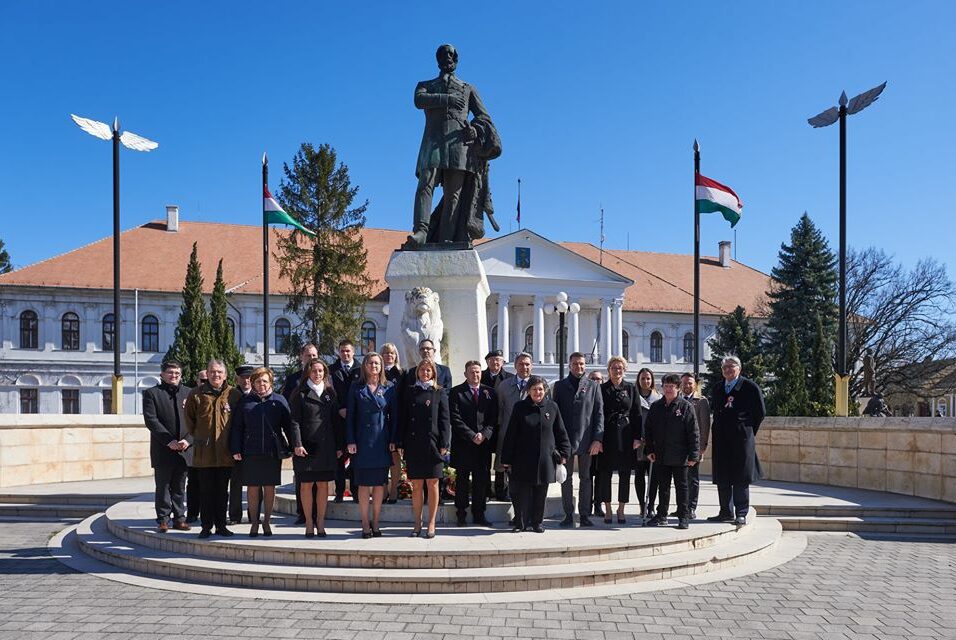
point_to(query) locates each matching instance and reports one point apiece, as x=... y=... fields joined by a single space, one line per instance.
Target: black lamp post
x=562 y=308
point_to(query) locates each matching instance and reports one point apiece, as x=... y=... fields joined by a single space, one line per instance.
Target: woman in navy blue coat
x=261 y=428
x=370 y=438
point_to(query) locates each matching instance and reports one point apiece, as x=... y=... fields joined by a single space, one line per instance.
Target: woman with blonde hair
x=394 y=373
x=424 y=439
x=369 y=433
x=622 y=428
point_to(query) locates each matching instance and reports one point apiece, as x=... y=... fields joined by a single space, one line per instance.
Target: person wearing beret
x=495 y=372
x=243 y=373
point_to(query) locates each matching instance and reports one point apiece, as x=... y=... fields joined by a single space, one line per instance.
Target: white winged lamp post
x=137 y=143
x=825 y=119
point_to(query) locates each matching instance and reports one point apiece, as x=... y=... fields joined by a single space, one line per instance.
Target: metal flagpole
x=696 y=263
x=117 y=324
x=519 y=204
x=265 y=264
x=136 y=351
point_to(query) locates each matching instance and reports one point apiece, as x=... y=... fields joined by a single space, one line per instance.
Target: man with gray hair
x=737 y=410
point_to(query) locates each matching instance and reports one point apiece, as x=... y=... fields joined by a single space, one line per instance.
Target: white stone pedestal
x=459 y=279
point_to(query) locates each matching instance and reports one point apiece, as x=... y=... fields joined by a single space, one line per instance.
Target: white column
x=539 y=329
x=575 y=332
x=605 y=331
x=504 y=326
x=618 y=320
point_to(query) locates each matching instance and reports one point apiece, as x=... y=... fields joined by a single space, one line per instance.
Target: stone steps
x=47 y=511
x=942 y=511
x=96 y=540
x=101 y=500
x=871 y=524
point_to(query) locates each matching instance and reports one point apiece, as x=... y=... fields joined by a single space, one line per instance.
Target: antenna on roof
x=601 y=248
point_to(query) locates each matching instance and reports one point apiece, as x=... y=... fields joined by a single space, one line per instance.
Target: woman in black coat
x=262 y=429
x=622 y=428
x=424 y=438
x=535 y=442
x=393 y=373
x=315 y=408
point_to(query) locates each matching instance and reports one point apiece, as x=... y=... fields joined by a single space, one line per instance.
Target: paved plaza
x=840 y=587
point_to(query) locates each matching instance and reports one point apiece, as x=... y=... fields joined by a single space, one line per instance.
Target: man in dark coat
x=474 y=415
x=672 y=443
x=582 y=409
x=426 y=349
x=343 y=372
x=689 y=391
x=163 y=415
x=738 y=409
x=495 y=372
x=243 y=373
x=307 y=353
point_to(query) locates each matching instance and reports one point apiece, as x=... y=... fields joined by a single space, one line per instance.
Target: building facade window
x=107 y=401
x=657 y=347
x=283 y=329
x=70 y=331
x=108 y=332
x=29 y=401
x=71 y=400
x=626 y=345
x=29 y=330
x=689 y=350
x=149 y=338
x=529 y=339
x=494 y=338
x=367 y=340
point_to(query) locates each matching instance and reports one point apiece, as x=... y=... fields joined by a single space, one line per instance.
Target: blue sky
x=596 y=103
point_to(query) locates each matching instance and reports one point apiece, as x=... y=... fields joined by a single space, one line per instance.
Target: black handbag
x=282 y=445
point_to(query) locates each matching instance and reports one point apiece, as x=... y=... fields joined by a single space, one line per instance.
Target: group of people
x=363 y=422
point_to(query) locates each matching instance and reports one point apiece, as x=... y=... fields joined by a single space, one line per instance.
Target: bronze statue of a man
x=454 y=153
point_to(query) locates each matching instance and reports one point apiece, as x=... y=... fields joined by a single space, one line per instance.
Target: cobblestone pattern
x=840 y=587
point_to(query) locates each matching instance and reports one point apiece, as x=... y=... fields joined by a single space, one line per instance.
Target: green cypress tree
x=192 y=346
x=329 y=287
x=223 y=340
x=790 y=391
x=736 y=336
x=805 y=287
x=5 y=265
x=821 y=383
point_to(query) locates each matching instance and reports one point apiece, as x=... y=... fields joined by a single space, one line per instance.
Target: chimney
x=172 y=218
x=723 y=248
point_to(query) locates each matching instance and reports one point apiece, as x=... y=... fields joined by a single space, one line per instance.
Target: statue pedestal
x=458 y=278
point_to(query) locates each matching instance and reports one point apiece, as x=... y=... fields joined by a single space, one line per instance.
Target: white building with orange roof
x=56 y=322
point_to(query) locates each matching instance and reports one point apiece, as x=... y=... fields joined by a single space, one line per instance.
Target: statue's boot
x=415 y=240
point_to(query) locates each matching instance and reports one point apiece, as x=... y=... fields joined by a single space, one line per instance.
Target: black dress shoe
x=321 y=534
x=224 y=532
x=656 y=521
x=568 y=522
x=462 y=520
x=517 y=529
x=537 y=528
x=376 y=533
x=721 y=517
x=740 y=521
x=683 y=523
x=692 y=514
x=205 y=533
x=483 y=522
x=366 y=535
x=598 y=512
x=585 y=522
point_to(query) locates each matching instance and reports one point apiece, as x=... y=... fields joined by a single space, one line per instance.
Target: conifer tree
x=5 y=265
x=820 y=392
x=736 y=336
x=223 y=340
x=805 y=287
x=790 y=391
x=192 y=347
x=329 y=286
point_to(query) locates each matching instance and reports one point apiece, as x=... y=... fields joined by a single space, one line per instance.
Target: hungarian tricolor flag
x=713 y=197
x=275 y=215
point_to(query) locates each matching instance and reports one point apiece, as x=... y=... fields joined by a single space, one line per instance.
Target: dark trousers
x=664 y=473
x=641 y=469
x=602 y=488
x=502 y=487
x=528 y=500
x=693 y=486
x=171 y=491
x=653 y=482
x=471 y=487
x=734 y=498
x=193 y=500
x=235 y=493
x=341 y=473
x=214 y=495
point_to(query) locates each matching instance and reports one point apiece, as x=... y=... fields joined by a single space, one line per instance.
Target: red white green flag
x=274 y=214
x=713 y=197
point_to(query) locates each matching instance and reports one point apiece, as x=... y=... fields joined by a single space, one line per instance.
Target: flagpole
x=696 y=263
x=117 y=323
x=519 y=204
x=265 y=264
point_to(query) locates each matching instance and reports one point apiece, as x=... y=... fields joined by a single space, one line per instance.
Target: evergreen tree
x=805 y=287
x=5 y=265
x=821 y=394
x=736 y=336
x=223 y=340
x=790 y=391
x=192 y=346
x=329 y=287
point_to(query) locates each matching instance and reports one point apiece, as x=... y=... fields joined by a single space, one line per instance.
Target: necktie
x=474 y=394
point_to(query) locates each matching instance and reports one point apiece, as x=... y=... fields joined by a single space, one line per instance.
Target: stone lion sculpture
x=421 y=320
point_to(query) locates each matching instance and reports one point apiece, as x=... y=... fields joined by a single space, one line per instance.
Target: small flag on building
x=713 y=197
x=275 y=215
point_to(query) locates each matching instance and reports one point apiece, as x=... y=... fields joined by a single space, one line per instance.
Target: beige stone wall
x=912 y=456
x=41 y=448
